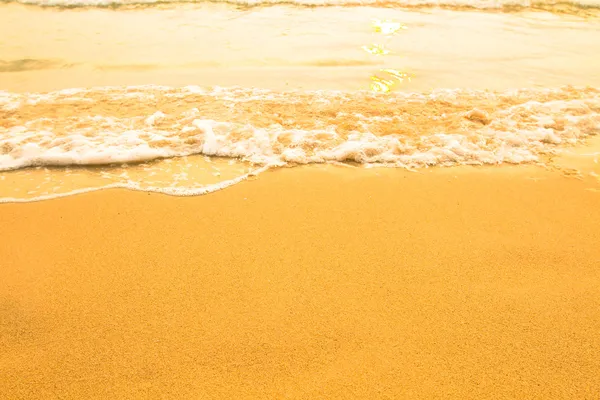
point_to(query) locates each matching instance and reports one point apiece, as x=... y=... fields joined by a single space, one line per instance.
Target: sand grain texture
x=307 y=283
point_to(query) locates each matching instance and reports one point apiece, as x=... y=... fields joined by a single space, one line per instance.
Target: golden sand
x=314 y=283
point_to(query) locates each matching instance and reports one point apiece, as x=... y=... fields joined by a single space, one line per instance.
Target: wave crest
x=409 y=130
x=565 y=7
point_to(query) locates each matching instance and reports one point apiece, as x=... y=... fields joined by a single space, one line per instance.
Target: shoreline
x=308 y=283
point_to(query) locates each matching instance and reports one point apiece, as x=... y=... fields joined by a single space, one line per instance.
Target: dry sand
x=314 y=283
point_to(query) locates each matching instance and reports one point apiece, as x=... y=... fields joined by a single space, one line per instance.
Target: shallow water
x=302 y=78
x=292 y=48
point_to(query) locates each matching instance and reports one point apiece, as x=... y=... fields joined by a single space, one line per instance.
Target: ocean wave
x=569 y=7
x=186 y=191
x=113 y=125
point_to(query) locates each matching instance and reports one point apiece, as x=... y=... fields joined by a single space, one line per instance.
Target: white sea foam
x=478 y=4
x=131 y=185
x=515 y=134
x=115 y=125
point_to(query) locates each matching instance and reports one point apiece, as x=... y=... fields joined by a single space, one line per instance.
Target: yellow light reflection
x=391 y=76
x=396 y=74
x=376 y=49
x=387 y=27
x=383 y=85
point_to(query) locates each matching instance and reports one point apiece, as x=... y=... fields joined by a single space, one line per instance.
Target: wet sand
x=308 y=283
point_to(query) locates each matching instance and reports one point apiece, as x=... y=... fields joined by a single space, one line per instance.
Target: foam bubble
x=265 y=128
x=582 y=8
x=407 y=130
x=132 y=185
x=476 y=4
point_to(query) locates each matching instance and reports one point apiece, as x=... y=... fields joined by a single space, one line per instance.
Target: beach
x=216 y=201
x=308 y=283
